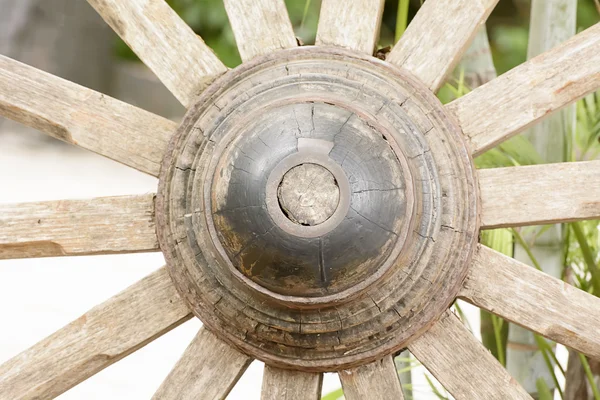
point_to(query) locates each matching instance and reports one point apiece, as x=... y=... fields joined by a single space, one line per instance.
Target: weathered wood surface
x=462 y=365
x=551 y=23
x=438 y=36
x=377 y=380
x=100 y=337
x=539 y=194
x=308 y=194
x=260 y=26
x=350 y=24
x=526 y=94
x=364 y=325
x=103 y=225
x=83 y=117
x=207 y=370
x=287 y=384
x=534 y=300
x=180 y=58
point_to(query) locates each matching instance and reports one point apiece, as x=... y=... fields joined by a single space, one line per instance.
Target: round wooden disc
x=317 y=208
x=308 y=194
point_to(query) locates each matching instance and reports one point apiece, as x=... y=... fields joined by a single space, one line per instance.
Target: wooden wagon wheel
x=318 y=208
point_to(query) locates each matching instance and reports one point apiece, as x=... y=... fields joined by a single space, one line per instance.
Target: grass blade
x=401 y=18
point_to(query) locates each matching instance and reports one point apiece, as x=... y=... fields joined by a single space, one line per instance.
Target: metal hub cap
x=308 y=204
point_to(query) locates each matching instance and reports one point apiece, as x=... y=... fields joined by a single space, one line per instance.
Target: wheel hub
x=308 y=194
x=317 y=208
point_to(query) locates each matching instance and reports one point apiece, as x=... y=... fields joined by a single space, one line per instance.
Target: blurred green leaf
x=590 y=376
x=335 y=395
x=434 y=389
x=543 y=391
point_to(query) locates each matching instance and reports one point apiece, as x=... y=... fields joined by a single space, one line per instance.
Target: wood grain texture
x=97 y=339
x=308 y=194
x=350 y=24
x=287 y=384
x=534 y=300
x=103 y=225
x=180 y=58
x=83 y=117
x=437 y=37
x=526 y=94
x=260 y=26
x=539 y=194
x=264 y=112
x=462 y=365
x=377 y=381
x=207 y=370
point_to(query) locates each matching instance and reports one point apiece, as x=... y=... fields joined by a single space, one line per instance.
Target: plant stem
x=305 y=13
x=590 y=376
x=497 y=323
x=401 y=18
x=545 y=349
x=587 y=256
x=527 y=249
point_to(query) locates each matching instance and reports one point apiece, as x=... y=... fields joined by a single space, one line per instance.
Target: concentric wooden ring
x=424 y=230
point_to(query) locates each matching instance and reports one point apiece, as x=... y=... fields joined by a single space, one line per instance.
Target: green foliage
x=335 y=395
x=494 y=330
x=305 y=17
x=209 y=20
x=401 y=18
x=509 y=45
x=590 y=376
x=435 y=390
x=587 y=133
x=547 y=351
x=543 y=390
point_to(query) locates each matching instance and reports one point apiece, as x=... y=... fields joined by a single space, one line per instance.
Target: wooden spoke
x=208 y=369
x=462 y=365
x=534 y=300
x=539 y=194
x=102 y=336
x=78 y=227
x=438 y=36
x=519 y=98
x=351 y=24
x=286 y=384
x=180 y=58
x=81 y=116
x=260 y=26
x=377 y=380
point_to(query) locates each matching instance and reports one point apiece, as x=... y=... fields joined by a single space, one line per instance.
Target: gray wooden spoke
x=287 y=384
x=207 y=370
x=105 y=334
x=534 y=300
x=180 y=58
x=351 y=24
x=539 y=194
x=462 y=365
x=83 y=117
x=377 y=380
x=103 y=225
x=438 y=36
x=519 y=98
x=260 y=26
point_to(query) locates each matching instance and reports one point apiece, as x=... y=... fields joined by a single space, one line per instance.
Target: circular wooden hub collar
x=317 y=208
